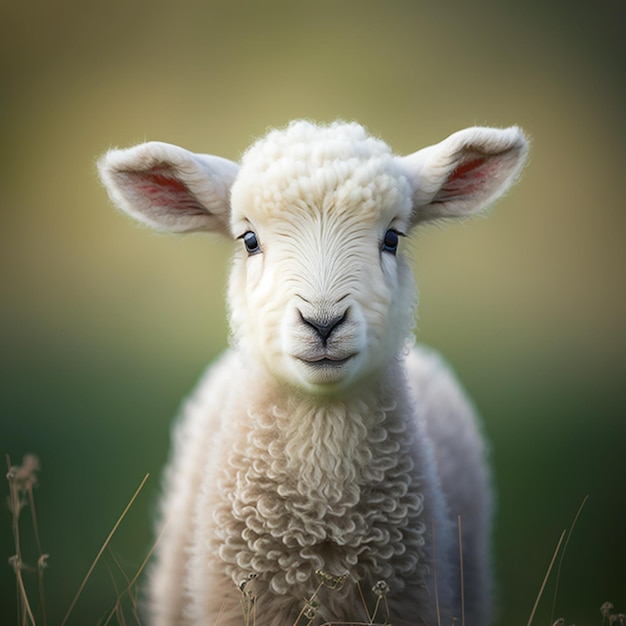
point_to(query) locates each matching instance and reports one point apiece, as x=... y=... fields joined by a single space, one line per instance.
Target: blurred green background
x=105 y=326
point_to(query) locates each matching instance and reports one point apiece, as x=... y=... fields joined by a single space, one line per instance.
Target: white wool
x=318 y=446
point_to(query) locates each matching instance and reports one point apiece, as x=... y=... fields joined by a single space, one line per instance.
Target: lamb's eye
x=390 y=242
x=251 y=243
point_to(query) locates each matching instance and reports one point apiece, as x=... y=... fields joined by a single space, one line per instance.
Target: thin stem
x=435 y=582
x=102 y=549
x=370 y=618
x=41 y=556
x=545 y=579
x=558 y=569
x=302 y=611
x=461 y=566
x=133 y=580
x=25 y=603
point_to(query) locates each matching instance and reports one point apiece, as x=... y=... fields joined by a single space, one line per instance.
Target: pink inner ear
x=162 y=183
x=164 y=192
x=467 y=178
x=465 y=168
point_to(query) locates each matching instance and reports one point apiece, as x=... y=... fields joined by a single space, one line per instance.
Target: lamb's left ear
x=169 y=188
x=465 y=172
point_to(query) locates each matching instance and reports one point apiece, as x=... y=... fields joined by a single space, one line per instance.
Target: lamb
x=324 y=461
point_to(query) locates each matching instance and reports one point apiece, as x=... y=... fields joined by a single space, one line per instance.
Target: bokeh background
x=105 y=326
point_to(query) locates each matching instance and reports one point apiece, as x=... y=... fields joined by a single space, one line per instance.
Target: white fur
x=319 y=441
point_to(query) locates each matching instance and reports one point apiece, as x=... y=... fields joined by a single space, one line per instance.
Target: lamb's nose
x=324 y=326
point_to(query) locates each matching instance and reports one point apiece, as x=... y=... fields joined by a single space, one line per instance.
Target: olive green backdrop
x=105 y=326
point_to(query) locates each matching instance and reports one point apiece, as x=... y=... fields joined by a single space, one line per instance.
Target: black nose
x=324 y=326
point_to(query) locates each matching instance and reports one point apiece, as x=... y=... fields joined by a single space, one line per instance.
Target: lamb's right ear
x=464 y=173
x=169 y=188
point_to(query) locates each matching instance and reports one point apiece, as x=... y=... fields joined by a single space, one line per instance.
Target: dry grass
x=312 y=608
x=22 y=478
x=125 y=612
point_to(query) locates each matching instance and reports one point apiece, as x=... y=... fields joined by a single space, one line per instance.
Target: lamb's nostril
x=324 y=326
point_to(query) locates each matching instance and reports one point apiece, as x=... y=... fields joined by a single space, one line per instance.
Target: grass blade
x=558 y=569
x=133 y=581
x=102 y=549
x=460 y=527
x=545 y=579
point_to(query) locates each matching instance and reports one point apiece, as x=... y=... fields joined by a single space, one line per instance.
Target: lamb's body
x=319 y=445
x=289 y=487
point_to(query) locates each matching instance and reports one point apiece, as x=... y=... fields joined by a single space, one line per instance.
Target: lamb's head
x=320 y=292
x=318 y=287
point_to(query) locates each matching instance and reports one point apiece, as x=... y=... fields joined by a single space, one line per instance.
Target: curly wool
x=288 y=494
x=335 y=168
x=304 y=487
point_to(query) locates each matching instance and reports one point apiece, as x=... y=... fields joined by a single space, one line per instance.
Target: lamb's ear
x=465 y=172
x=169 y=188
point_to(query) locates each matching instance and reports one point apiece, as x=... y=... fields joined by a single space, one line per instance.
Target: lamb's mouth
x=325 y=360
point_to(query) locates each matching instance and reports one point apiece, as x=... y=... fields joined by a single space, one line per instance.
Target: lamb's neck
x=330 y=442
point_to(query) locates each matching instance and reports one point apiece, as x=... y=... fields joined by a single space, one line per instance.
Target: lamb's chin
x=322 y=375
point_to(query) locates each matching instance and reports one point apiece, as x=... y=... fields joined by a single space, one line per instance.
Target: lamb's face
x=319 y=291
